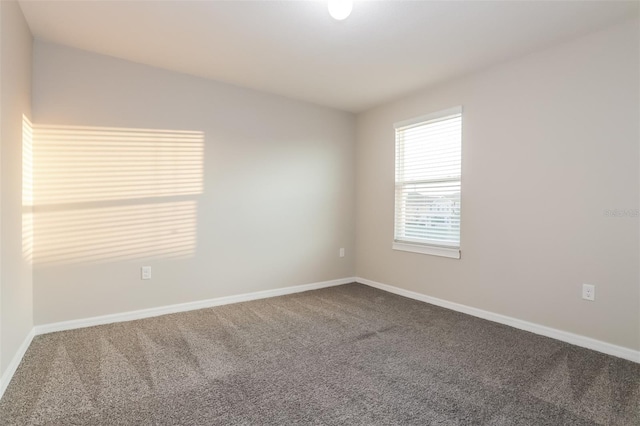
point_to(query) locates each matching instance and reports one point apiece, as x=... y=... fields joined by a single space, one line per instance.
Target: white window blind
x=428 y=169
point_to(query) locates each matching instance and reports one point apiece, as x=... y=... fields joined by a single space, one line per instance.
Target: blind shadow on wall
x=96 y=195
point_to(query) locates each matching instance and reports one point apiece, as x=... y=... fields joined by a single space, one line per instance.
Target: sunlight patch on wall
x=107 y=234
x=27 y=189
x=113 y=194
x=82 y=164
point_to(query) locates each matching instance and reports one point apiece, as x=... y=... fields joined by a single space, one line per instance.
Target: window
x=428 y=168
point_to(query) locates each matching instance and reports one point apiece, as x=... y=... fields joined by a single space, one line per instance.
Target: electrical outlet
x=145 y=273
x=341 y=253
x=589 y=292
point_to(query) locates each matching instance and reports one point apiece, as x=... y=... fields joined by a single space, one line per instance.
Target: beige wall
x=271 y=208
x=16 y=315
x=550 y=142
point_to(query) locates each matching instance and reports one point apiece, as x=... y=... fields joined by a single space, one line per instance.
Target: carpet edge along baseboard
x=575 y=339
x=554 y=333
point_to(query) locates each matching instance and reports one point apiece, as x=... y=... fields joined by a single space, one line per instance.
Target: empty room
x=319 y=212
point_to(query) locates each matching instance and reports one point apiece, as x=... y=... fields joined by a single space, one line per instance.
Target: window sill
x=453 y=253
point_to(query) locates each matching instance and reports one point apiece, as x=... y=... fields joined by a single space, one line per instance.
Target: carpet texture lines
x=343 y=355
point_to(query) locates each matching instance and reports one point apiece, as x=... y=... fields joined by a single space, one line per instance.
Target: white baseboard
x=565 y=336
x=15 y=362
x=183 y=307
x=154 y=312
x=575 y=339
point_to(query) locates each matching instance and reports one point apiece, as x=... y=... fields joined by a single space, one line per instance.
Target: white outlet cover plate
x=145 y=272
x=589 y=292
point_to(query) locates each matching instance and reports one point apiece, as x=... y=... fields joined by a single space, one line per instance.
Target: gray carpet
x=344 y=355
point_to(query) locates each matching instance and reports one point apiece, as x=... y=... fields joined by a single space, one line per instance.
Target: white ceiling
x=384 y=50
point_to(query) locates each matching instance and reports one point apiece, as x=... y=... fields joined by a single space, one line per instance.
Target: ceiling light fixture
x=340 y=9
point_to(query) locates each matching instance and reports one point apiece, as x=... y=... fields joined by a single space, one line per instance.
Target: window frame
x=430 y=248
